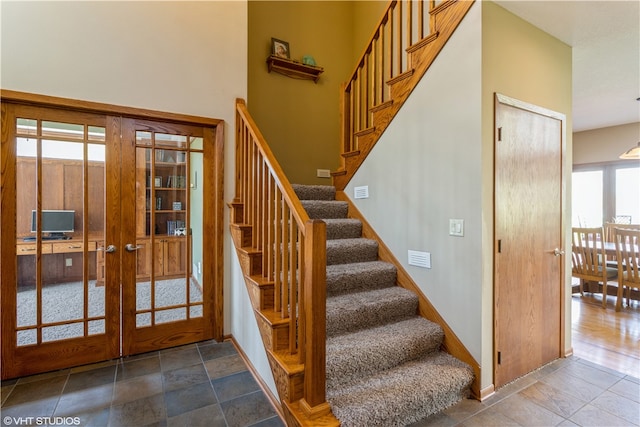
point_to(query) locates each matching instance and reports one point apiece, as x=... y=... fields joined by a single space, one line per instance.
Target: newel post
x=315 y=293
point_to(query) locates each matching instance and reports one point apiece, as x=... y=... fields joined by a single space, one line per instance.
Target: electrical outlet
x=68 y=262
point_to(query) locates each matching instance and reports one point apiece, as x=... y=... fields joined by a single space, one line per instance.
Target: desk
x=62 y=260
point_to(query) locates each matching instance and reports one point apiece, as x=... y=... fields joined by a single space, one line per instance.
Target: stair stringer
x=451 y=343
x=448 y=15
x=287 y=371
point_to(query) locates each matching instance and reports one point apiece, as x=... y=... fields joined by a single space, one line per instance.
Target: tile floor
x=567 y=392
x=204 y=384
x=207 y=384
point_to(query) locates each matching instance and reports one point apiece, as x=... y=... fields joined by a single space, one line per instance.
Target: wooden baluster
x=398 y=37
x=293 y=286
x=270 y=226
x=409 y=6
x=420 y=19
x=277 y=284
x=286 y=247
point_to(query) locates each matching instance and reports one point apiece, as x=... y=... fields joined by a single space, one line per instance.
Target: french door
x=109 y=236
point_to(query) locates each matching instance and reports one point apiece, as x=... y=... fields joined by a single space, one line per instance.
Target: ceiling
x=605 y=40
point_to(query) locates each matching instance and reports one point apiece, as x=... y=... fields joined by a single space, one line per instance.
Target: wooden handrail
x=402 y=46
x=382 y=60
x=292 y=248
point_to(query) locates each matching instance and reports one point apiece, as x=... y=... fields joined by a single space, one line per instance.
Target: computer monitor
x=55 y=222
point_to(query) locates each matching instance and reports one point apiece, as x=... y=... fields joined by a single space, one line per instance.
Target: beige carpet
x=65 y=301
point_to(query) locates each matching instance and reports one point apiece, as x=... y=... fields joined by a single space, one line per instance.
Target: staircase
x=407 y=40
x=349 y=337
x=384 y=364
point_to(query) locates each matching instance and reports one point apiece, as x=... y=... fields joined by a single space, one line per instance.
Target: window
x=606 y=192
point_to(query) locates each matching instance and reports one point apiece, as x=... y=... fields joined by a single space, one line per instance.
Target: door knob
x=558 y=252
x=109 y=249
x=132 y=248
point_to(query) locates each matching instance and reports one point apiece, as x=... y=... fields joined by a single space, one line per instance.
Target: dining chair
x=628 y=254
x=609 y=236
x=589 y=261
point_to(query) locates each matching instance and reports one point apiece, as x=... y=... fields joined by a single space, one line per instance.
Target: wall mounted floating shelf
x=293 y=69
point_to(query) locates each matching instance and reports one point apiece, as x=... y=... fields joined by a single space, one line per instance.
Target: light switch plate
x=456 y=227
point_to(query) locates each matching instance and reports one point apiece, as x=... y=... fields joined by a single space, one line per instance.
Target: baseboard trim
x=487 y=392
x=267 y=391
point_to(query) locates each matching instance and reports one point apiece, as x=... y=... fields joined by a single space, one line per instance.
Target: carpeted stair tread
x=348 y=251
x=343 y=228
x=404 y=394
x=314 y=192
x=344 y=278
x=354 y=311
x=376 y=349
x=325 y=209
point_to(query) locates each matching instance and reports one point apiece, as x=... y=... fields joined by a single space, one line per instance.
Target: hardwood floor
x=606 y=337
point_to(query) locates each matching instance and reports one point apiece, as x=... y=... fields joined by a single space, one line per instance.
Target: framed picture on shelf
x=158 y=182
x=280 y=48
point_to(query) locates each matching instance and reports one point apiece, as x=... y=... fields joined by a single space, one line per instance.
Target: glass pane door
x=167 y=287
x=61 y=290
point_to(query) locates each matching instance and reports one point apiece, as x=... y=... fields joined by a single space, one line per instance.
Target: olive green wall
x=299 y=119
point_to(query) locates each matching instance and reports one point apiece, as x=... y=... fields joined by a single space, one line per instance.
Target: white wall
x=173 y=56
x=435 y=163
x=426 y=169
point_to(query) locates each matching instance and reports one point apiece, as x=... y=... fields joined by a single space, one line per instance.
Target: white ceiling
x=605 y=37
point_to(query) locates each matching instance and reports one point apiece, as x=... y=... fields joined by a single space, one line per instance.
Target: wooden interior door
x=528 y=268
x=168 y=295
x=123 y=251
x=60 y=286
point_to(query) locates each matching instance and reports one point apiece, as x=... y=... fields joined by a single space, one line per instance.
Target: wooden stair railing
x=401 y=49
x=282 y=253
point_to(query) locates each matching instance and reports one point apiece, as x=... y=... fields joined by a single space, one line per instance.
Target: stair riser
x=250 y=262
x=275 y=337
x=242 y=235
x=343 y=231
x=326 y=209
x=370 y=315
x=349 y=255
x=290 y=385
x=374 y=279
x=264 y=294
x=348 y=359
x=315 y=192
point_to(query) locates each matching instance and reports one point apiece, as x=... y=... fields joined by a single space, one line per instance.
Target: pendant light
x=631 y=153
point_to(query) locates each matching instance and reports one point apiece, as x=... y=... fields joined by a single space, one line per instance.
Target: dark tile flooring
x=204 y=384
x=208 y=384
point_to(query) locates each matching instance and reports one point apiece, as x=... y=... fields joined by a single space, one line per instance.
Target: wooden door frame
x=564 y=171
x=212 y=265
